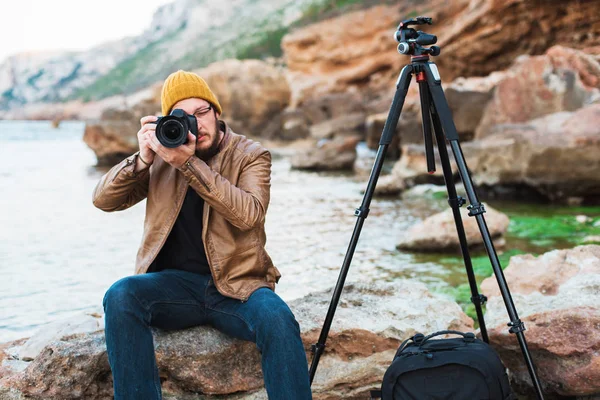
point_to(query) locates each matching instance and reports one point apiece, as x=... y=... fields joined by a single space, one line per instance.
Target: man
x=202 y=258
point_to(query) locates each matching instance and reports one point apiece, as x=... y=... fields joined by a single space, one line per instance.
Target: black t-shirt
x=184 y=248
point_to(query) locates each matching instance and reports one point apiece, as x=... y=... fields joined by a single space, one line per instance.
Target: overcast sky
x=33 y=25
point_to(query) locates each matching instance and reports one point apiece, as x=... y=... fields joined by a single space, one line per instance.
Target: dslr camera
x=172 y=130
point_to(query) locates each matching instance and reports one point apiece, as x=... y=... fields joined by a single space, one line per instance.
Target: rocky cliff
x=186 y=34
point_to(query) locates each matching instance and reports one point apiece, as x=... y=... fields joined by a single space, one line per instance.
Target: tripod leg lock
x=479 y=299
x=516 y=326
x=475 y=209
x=457 y=202
x=361 y=212
x=317 y=346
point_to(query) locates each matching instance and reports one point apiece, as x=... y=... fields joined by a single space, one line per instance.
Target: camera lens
x=172 y=130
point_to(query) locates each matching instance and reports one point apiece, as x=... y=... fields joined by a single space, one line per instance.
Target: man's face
x=209 y=135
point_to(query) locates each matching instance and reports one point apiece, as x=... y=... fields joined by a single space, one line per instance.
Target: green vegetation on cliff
x=251 y=36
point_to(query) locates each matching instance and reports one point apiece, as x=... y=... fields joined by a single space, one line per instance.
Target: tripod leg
x=476 y=209
x=455 y=203
x=386 y=138
x=425 y=116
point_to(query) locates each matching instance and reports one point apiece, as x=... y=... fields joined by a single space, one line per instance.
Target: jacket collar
x=216 y=161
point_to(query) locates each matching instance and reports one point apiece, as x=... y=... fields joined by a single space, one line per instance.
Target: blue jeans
x=174 y=299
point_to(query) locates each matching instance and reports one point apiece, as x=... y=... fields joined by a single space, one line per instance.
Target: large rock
x=467 y=99
x=557 y=296
x=332 y=106
x=87 y=322
x=438 y=232
x=370 y=322
x=563 y=79
x=331 y=155
x=112 y=135
x=348 y=125
x=557 y=156
x=252 y=94
x=294 y=125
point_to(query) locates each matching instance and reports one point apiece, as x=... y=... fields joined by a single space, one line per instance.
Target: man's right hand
x=143 y=135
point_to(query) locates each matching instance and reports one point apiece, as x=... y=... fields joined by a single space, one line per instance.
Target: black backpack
x=445 y=369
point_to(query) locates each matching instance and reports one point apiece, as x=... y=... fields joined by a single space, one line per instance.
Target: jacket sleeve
x=245 y=204
x=121 y=188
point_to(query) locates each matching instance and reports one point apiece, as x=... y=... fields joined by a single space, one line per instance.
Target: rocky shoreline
x=556 y=295
x=370 y=322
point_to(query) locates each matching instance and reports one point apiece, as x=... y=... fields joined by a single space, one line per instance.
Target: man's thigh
x=242 y=319
x=169 y=299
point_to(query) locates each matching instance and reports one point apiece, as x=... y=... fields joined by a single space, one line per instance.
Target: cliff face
x=186 y=34
x=477 y=37
x=489 y=34
x=31 y=78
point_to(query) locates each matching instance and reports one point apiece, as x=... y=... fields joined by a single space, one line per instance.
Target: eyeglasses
x=203 y=111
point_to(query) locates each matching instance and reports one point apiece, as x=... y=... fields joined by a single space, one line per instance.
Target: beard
x=206 y=154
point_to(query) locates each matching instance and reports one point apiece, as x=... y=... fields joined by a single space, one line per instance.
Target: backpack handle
x=468 y=337
x=419 y=339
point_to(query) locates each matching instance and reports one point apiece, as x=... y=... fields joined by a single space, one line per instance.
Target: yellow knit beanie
x=182 y=85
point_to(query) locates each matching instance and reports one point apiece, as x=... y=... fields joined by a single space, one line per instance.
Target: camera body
x=172 y=130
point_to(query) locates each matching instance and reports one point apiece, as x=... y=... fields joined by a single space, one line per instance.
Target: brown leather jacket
x=235 y=186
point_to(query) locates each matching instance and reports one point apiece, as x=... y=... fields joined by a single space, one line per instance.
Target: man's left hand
x=174 y=156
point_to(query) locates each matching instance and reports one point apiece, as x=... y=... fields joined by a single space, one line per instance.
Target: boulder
x=438 y=232
x=563 y=79
x=467 y=99
x=112 y=140
x=295 y=125
x=329 y=155
x=556 y=156
x=332 y=106
x=347 y=125
x=78 y=323
x=113 y=135
x=370 y=322
x=557 y=297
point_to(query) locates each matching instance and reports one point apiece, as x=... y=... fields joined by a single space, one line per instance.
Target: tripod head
x=412 y=41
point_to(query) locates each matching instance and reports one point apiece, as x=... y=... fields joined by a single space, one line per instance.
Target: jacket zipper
x=190 y=166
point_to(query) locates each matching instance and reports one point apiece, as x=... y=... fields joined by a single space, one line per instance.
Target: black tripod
x=434 y=107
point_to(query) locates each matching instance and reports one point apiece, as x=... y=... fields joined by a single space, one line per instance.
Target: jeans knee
x=278 y=321
x=118 y=296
